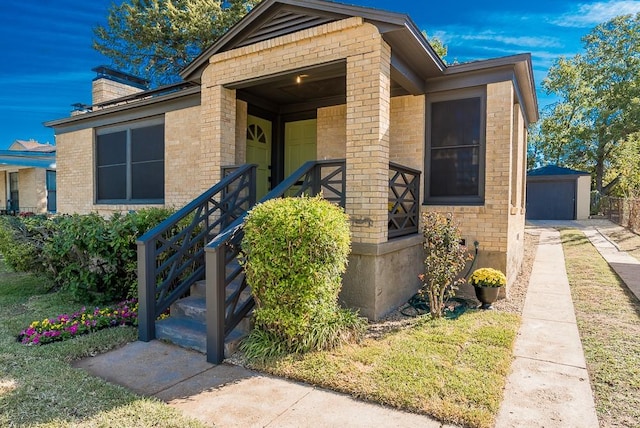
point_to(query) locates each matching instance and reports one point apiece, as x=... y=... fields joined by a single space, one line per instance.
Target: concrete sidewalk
x=549 y=384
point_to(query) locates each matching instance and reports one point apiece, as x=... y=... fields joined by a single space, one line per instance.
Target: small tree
x=445 y=258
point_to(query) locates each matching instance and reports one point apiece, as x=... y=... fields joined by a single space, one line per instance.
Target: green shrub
x=445 y=258
x=92 y=257
x=22 y=240
x=96 y=258
x=296 y=251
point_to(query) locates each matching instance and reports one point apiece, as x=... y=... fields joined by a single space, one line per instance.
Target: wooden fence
x=625 y=212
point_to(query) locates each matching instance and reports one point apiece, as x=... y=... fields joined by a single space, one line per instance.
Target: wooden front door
x=259 y=152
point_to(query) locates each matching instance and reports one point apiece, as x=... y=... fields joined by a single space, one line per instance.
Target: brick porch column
x=218 y=138
x=367 y=152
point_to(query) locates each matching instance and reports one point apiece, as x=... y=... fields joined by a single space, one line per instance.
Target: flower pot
x=486 y=295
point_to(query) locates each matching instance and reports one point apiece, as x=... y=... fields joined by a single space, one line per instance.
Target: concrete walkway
x=549 y=384
x=548 y=387
x=231 y=396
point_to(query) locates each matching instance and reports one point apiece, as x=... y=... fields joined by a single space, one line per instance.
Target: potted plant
x=487 y=283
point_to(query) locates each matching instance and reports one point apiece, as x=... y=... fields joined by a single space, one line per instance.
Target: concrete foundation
x=381 y=277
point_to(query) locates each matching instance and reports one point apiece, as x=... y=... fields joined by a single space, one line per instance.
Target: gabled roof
x=31 y=146
x=273 y=18
x=554 y=170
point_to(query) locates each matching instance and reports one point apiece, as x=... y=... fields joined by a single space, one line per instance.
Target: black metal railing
x=404 y=200
x=227 y=294
x=171 y=256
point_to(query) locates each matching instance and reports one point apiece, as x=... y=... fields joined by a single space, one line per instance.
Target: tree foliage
x=155 y=39
x=599 y=105
x=438 y=46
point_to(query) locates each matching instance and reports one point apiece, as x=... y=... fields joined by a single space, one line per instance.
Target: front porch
x=202 y=241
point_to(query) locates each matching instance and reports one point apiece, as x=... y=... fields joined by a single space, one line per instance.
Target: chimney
x=110 y=84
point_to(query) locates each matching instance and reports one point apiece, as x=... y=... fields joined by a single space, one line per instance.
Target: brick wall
x=182 y=156
x=4 y=176
x=332 y=132
x=104 y=89
x=75 y=175
x=407 y=131
x=32 y=190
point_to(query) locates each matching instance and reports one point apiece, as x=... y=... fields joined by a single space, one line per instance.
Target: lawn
x=608 y=318
x=38 y=386
x=454 y=370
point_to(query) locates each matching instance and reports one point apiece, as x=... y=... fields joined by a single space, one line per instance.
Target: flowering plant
x=488 y=277
x=84 y=321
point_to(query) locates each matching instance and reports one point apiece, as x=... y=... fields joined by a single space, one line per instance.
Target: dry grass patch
x=453 y=370
x=608 y=318
x=624 y=238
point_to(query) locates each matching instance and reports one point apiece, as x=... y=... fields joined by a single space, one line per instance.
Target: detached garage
x=557 y=193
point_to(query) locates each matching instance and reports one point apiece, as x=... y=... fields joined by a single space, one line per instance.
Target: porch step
x=193 y=335
x=186 y=326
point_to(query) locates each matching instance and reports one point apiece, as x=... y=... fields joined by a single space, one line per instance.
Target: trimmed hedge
x=296 y=251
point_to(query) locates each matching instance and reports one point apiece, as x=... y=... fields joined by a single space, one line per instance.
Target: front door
x=259 y=152
x=299 y=144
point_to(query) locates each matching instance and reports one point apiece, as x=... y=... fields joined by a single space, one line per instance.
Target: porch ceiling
x=322 y=85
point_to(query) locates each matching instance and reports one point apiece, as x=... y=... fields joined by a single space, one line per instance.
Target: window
x=130 y=164
x=455 y=149
x=14 y=201
x=51 y=191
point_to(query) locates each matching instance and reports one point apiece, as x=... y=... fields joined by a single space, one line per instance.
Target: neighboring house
x=304 y=80
x=28 y=178
x=558 y=193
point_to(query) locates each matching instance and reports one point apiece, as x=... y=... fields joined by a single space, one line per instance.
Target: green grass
x=39 y=387
x=608 y=318
x=454 y=370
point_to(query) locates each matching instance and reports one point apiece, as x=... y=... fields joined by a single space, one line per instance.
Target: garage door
x=551 y=200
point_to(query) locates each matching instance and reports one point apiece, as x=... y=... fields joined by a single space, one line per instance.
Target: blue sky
x=47 y=56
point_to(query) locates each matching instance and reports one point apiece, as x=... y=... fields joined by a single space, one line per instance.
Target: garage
x=558 y=193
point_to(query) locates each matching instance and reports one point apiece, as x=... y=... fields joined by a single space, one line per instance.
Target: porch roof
x=28 y=159
x=413 y=58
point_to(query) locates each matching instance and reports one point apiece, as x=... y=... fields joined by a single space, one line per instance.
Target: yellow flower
x=488 y=277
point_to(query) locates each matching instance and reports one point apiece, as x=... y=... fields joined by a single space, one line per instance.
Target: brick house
x=28 y=178
x=315 y=80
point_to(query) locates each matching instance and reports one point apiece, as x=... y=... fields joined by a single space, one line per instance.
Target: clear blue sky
x=47 y=57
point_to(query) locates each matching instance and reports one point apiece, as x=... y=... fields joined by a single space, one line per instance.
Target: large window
x=455 y=149
x=130 y=164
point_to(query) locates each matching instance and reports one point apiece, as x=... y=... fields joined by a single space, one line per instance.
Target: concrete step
x=192 y=307
x=183 y=332
x=193 y=335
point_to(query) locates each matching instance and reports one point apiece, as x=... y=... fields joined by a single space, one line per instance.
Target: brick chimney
x=110 y=84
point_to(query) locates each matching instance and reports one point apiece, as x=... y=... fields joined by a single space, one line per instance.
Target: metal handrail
x=171 y=255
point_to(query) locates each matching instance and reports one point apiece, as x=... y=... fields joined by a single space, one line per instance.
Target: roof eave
x=523 y=69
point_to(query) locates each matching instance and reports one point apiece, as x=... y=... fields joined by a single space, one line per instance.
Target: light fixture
x=299 y=78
